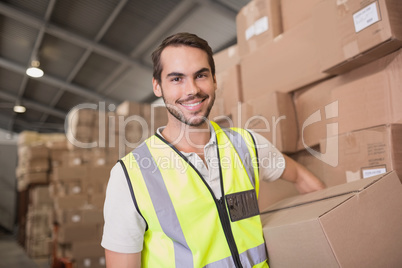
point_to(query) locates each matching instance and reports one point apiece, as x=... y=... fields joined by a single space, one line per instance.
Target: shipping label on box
x=366 y=153
x=353 y=33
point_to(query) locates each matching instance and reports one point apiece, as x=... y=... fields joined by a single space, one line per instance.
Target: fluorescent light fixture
x=19 y=109
x=34 y=70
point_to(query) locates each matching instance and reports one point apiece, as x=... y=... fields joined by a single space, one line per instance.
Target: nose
x=192 y=87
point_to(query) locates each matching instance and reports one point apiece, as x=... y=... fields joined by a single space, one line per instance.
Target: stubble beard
x=193 y=122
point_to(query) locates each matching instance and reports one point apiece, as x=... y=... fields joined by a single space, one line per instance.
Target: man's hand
x=304 y=180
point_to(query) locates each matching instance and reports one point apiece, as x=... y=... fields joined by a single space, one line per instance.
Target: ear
x=215 y=84
x=156 y=87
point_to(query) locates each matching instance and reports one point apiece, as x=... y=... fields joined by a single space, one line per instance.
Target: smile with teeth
x=191 y=105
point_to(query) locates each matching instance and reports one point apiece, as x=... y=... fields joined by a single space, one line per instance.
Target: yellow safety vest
x=186 y=225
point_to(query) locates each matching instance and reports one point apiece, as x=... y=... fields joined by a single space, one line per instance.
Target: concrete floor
x=12 y=255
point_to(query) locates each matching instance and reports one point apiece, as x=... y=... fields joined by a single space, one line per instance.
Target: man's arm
x=304 y=180
x=122 y=260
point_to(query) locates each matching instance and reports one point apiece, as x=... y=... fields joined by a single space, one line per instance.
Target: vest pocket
x=242 y=205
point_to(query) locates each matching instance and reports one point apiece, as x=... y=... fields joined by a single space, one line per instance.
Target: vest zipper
x=223 y=215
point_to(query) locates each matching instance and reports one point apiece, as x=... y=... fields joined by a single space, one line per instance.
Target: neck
x=187 y=138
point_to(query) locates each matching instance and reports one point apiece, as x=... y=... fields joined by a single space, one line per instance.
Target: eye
x=201 y=75
x=176 y=79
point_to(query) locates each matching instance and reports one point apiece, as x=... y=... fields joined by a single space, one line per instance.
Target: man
x=187 y=196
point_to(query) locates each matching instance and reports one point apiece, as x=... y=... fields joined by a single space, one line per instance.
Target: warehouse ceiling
x=93 y=51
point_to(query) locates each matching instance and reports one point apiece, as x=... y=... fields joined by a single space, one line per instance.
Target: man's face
x=187 y=85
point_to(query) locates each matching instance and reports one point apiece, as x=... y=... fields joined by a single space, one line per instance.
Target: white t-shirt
x=124 y=228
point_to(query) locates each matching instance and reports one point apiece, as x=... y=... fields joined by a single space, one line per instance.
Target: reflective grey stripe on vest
x=163 y=205
x=242 y=150
x=249 y=258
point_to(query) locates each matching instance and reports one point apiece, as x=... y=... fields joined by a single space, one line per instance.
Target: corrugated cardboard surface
x=73 y=232
x=228 y=93
x=350 y=225
x=342 y=48
x=366 y=153
x=296 y=11
x=226 y=58
x=365 y=97
x=258 y=23
x=272 y=192
x=65 y=173
x=312 y=163
x=271 y=115
x=286 y=64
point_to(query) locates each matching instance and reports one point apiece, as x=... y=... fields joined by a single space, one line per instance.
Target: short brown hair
x=185 y=39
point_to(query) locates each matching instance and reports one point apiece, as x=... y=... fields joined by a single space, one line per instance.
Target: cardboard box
x=70 y=201
x=100 y=174
x=86 y=214
x=32 y=166
x=309 y=161
x=128 y=108
x=311 y=103
x=226 y=58
x=365 y=97
x=228 y=93
x=352 y=33
x=350 y=225
x=257 y=23
x=27 y=137
x=288 y=63
x=295 y=12
x=38 y=247
x=66 y=173
x=98 y=200
x=80 y=117
x=87 y=249
x=72 y=232
x=272 y=192
x=365 y=153
x=33 y=152
x=71 y=187
x=40 y=196
x=155 y=116
x=97 y=262
x=271 y=115
x=370 y=95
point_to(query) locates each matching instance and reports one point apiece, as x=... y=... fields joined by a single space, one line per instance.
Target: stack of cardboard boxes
x=65 y=178
x=39 y=222
x=32 y=178
x=312 y=76
x=78 y=186
x=138 y=121
x=321 y=79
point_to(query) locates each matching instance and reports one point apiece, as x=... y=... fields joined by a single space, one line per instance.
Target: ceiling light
x=34 y=70
x=19 y=109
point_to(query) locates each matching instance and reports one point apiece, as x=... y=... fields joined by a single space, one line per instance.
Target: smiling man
x=201 y=210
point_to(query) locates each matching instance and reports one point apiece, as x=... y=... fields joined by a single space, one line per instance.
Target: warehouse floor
x=12 y=255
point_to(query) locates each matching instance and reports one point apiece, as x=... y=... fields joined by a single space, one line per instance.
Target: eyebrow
x=202 y=70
